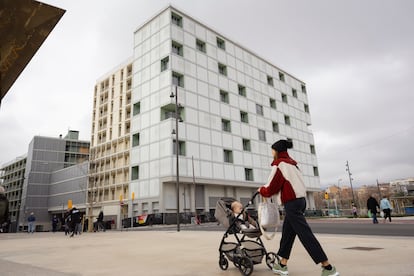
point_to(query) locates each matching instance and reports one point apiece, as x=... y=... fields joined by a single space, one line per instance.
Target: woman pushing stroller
x=286 y=179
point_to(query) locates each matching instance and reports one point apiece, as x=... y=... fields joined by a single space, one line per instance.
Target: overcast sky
x=356 y=58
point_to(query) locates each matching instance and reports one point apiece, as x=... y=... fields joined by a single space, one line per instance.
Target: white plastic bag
x=269 y=217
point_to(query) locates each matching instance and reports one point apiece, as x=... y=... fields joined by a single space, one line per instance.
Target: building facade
x=234 y=105
x=110 y=144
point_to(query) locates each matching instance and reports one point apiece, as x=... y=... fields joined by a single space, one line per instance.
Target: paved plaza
x=186 y=253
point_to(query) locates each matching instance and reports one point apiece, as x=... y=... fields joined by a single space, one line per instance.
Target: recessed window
x=136 y=108
x=222 y=69
x=315 y=171
x=135 y=140
x=201 y=45
x=177 y=48
x=312 y=149
x=272 y=103
x=248 y=174
x=224 y=96
x=228 y=156
x=275 y=127
x=225 y=125
x=262 y=135
x=181 y=148
x=281 y=76
x=270 y=80
x=135 y=173
x=290 y=140
x=244 y=117
x=306 y=107
x=164 y=63
x=284 y=98
x=177 y=79
x=242 y=90
x=259 y=109
x=294 y=93
x=246 y=145
x=168 y=111
x=221 y=43
x=176 y=19
x=287 y=120
x=303 y=88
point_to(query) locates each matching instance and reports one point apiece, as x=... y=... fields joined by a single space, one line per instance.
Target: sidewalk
x=185 y=253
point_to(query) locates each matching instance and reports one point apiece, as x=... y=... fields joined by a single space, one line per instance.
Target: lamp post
x=177 y=147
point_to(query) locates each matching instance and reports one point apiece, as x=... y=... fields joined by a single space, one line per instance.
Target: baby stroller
x=247 y=249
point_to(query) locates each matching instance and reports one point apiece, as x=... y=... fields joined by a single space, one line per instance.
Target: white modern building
x=235 y=104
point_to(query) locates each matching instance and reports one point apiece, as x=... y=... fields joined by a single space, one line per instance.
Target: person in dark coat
x=76 y=220
x=373 y=206
x=4 y=209
x=100 y=224
x=55 y=222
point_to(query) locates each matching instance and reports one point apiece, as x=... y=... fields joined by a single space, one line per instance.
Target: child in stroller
x=246 y=248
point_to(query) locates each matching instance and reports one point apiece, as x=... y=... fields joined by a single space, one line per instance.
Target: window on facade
x=272 y=103
x=225 y=125
x=287 y=120
x=135 y=173
x=290 y=140
x=221 y=43
x=270 y=80
x=164 y=63
x=275 y=127
x=306 y=107
x=176 y=19
x=281 y=76
x=201 y=45
x=228 y=156
x=315 y=171
x=177 y=48
x=248 y=174
x=262 y=135
x=294 y=93
x=312 y=149
x=135 y=140
x=244 y=117
x=136 y=108
x=224 y=96
x=259 y=109
x=222 y=69
x=168 y=111
x=303 y=88
x=242 y=90
x=177 y=79
x=284 y=98
x=246 y=145
x=181 y=148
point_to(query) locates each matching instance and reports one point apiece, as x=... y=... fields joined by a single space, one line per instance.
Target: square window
x=135 y=140
x=177 y=79
x=248 y=174
x=262 y=135
x=246 y=145
x=176 y=19
x=284 y=98
x=164 y=63
x=201 y=45
x=306 y=107
x=136 y=108
x=287 y=120
x=281 y=76
x=244 y=117
x=221 y=43
x=224 y=96
x=242 y=90
x=290 y=140
x=312 y=149
x=177 y=48
x=270 y=80
x=294 y=93
x=272 y=103
x=315 y=171
x=181 y=148
x=275 y=127
x=135 y=173
x=228 y=156
x=259 y=109
x=222 y=69
x=225 y=125
x=303 y=88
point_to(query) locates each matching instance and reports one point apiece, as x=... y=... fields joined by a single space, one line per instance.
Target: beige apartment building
x=110 y=144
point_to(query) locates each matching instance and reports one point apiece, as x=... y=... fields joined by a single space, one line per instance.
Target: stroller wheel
x=223 y=263
x=271 y=258
x=245 y=265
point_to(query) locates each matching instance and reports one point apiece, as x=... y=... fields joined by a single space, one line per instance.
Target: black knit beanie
x=282 y=145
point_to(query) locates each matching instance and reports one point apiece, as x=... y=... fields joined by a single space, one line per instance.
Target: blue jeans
x=31 y=227
x=374 y=217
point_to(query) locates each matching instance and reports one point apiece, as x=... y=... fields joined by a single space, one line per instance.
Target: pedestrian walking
x=372 y=206
x=386 y=208
x=68 y=222
x=286 y=180
x=76 y=221
x=354 y=211
x=100 y=224
x=31 y=223
x=4 y=210
x=55 y=222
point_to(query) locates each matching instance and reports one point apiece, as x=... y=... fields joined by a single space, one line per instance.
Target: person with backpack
x=4 y=210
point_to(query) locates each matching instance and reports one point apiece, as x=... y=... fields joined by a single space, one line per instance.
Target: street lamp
x=177 y=145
